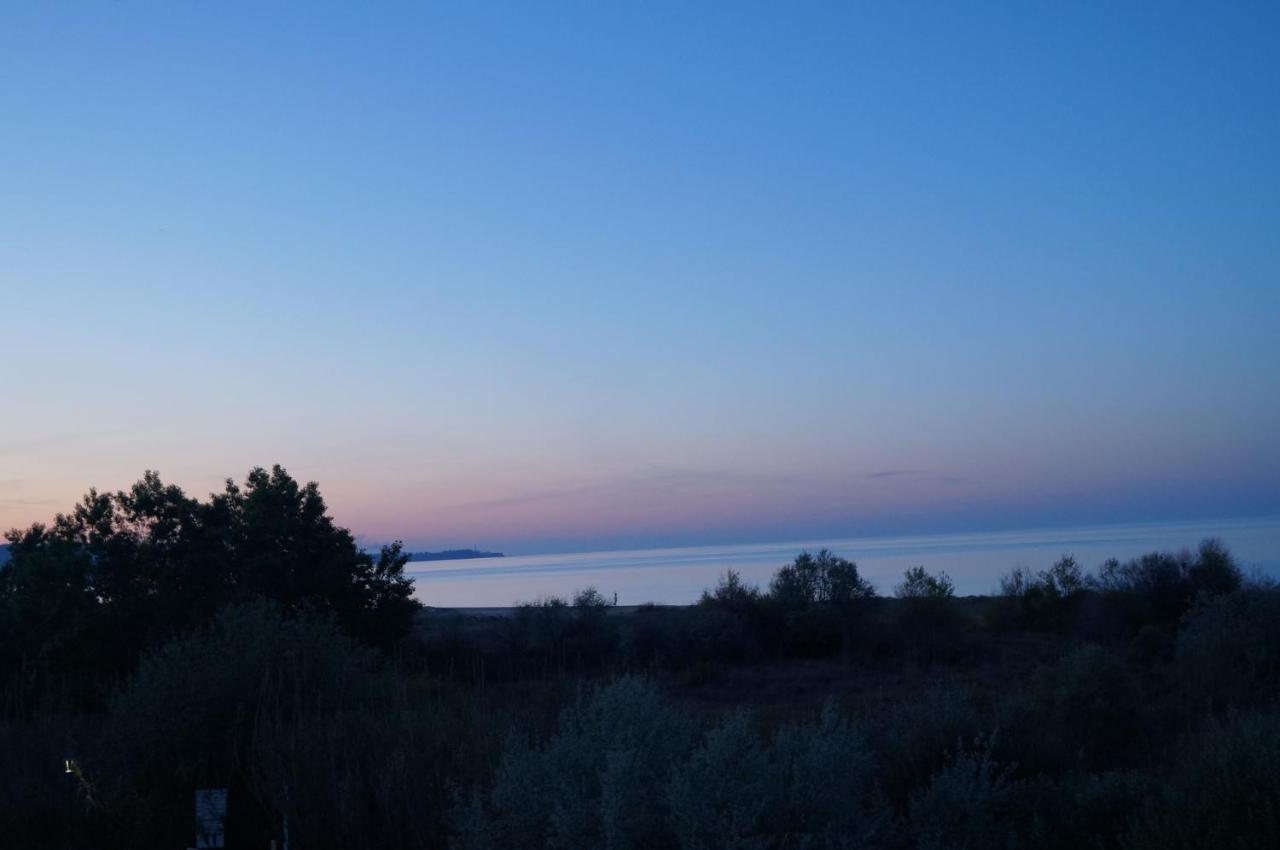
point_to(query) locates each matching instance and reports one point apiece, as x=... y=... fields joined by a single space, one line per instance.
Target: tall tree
x=83 y=596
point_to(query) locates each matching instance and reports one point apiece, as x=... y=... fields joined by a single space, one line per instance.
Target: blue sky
x=568 y=276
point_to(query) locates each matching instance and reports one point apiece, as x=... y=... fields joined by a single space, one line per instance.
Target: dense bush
x=1155 y=589
x=82 y=598
x=528 y=731
x=197 y=696
x=1047 y=600
x=623 y=769
x=917 y=583
x=1228 y=649
x=552 y=634
x=365 y=777
x=913 y=741
x=927 y=618
x=732 y=594
x=813 y=785
x=821 y=578
x=597 y=782
x=187 y=717
x=965 y=805
x=1077 y=810
x=1225 y=792
x=1090 y=707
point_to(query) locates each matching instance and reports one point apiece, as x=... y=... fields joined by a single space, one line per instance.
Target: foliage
x=1228 y=649
x=914 y=740
x=731 y=593
x=596 y=782
x=186 y=717
x=195 y=694
x=550 y=632
x=1081 y=809
x=1159 y=587
x=825 y=776
x=589 y=599
x=368 y=776
x=963 y=806
x=928 y=622
x=1091 y=702
x=83 y=597
x=1155 y=589
x=815 y=579
x=719 y=798
x=813 y=786
x=624 y=770
x=1046 y=600
x=1225 y=792
x=501 y=732
x=919 y=584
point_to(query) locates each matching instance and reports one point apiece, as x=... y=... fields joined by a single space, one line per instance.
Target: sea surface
x=975 y=562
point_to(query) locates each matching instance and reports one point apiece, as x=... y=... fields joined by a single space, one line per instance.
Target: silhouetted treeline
x=820 y=607
x=451 y=555
x=82 y=597
x=1132 y=707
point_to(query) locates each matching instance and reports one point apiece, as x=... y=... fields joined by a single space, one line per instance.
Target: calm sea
x=674 y=576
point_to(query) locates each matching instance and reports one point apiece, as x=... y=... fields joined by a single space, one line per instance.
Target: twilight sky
x=551 y=276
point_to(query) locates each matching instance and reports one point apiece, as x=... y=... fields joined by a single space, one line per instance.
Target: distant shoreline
x=452 y=555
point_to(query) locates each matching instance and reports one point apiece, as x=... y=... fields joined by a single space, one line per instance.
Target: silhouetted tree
x=818 y=578
x=919 y=584
x=83 y=596
x=731 y=593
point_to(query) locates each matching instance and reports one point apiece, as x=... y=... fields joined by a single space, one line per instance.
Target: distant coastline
x=452 y=555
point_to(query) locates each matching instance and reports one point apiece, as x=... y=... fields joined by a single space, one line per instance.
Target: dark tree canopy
x=918 y=583
x=821 y=578
x=81 y=597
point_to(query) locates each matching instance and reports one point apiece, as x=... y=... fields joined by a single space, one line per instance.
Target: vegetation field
x=152 y=644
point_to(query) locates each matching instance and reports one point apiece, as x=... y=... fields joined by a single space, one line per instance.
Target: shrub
x=190 y=698
x=814 y=632
x=926 y=618
x=540 y=627
x=812 y=786
x=821 y=578
x=363 y=778
x=186 y=718
x=720 y=797
x=1214 y=571
x=731 y=593
x=1082 y=809
x=1159 y=587
x=1079 y=713
x=1151 y=645
x=919 y=584
x=624 y=769
x=1228 y=649
x=825 y=778
x=589 y=600
x=598 y=781
x=1157 y=583
x=964 y=805
x=85 y=596
x=914 y=740
x=1047 y=600
x=1225 y=793
x=718 y=634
